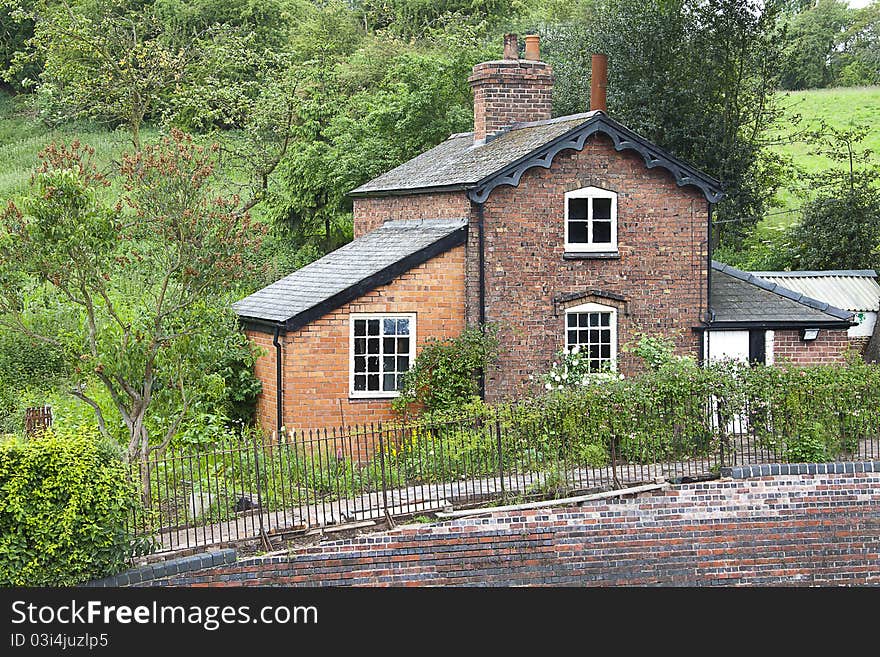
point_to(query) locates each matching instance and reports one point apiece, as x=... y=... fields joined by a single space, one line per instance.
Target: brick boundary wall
x=788 y=525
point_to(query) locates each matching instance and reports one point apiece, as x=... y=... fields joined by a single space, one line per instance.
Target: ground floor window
x=382 y=350
x=592 y=328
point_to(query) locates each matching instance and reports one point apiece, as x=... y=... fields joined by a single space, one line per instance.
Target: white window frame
x=377 y=394
x=596 y=308
x=590 y=247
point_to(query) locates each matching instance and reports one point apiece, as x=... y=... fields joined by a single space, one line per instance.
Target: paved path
x=422 y=498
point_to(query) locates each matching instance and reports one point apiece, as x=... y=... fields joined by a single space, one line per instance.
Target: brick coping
x=780 y=469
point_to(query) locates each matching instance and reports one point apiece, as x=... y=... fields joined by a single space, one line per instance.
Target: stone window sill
x=610 y=255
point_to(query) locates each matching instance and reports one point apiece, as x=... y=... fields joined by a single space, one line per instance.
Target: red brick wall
x=370 y=213
x=790 y=530
x=316 y=357
x=510 y=91
x=661 y=270
x=829 y=347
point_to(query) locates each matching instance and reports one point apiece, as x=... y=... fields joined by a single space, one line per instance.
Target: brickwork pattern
x=315 y=359
x=828 y=348
x=510 y=91
x=370 y=213
x=661 y=269
x=789 y=530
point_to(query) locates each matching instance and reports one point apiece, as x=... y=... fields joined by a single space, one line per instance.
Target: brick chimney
x=511 y=90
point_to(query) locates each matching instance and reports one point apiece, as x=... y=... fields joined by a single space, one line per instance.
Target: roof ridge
x=816 y=273
x=797 y=297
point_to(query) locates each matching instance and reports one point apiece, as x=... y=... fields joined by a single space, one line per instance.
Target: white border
x=592 y=192
x=377 y=394
x=596 y=308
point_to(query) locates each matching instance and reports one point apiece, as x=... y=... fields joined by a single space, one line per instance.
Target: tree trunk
x=872 y=350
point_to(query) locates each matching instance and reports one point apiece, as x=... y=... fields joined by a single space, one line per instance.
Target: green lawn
x=841 y=108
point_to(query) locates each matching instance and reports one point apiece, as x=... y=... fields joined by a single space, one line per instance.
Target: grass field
x=22 y=136
x=841 y=108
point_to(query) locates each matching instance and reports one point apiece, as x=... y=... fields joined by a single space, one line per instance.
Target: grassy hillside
x=22 y=136
x=841 y=108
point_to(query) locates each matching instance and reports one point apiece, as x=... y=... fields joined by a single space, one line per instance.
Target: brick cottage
x=564 y=231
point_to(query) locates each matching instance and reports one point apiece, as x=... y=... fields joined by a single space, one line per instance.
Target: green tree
x=697 y=78
x=814 y=42
x=840 y=222
x=128 y=278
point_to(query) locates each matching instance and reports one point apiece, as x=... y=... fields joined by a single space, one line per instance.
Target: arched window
x=591 y=221
x=592 y=328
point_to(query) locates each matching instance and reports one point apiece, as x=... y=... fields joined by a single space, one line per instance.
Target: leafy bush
x=64 y=502
x=446 y=373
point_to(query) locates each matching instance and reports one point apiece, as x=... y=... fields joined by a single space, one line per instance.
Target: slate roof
x=460 y=164
x=457 y=162
x=851 y=289
x=742 y=299
x=350 y=271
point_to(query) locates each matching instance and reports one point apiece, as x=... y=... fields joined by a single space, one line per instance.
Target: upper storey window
x=591 y=221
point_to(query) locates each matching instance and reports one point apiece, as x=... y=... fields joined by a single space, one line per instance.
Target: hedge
x=64 y=502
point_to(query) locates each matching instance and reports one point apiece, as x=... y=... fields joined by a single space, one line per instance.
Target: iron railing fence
x=252 y=488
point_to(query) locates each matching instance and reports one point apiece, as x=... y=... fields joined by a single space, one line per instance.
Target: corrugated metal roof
x=855 y=290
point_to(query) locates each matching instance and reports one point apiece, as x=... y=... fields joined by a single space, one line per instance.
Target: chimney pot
x=599 y=83
x=533 y=47
x=511 y=46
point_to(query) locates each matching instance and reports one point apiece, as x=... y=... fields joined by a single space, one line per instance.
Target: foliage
x=129 y=279
x=828 y=43
x=840 y=227
x=64 y=506
x=446 y=373
x=697 y=78
x=571 y=369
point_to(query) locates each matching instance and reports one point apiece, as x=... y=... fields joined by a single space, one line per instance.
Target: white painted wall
x=727 y=344
x=865 y=327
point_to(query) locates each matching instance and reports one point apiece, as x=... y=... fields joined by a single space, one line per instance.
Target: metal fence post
x=382 y=467
x=500 y=458
x=263 y=536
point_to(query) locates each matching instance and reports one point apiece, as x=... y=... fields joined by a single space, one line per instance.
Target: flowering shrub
x=571 y=370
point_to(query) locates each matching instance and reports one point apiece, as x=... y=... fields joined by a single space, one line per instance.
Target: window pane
x=601 y=208
x=402 y=363
x=388 y=382
x=372 y=345
x=572 y=338
x=388 y=345
x=360 y=382
x=577 y=208
x=360 y=345
x=601 y=232
x=372 y=363
x=583 y=337
x=577 y=232
x=605 y=336
x=402 y=327
x=605 y=352
x=594 y=351
x=606 y=319
x=373 y=327
x=399 y=382
x=594 y=319
x=388 y=364
x=583 y=319
x=372 y=382
x=360 y=327
x=360 y=364
x=594 y=337
x=402 y=345
x=572 y=319
x=389 y=326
